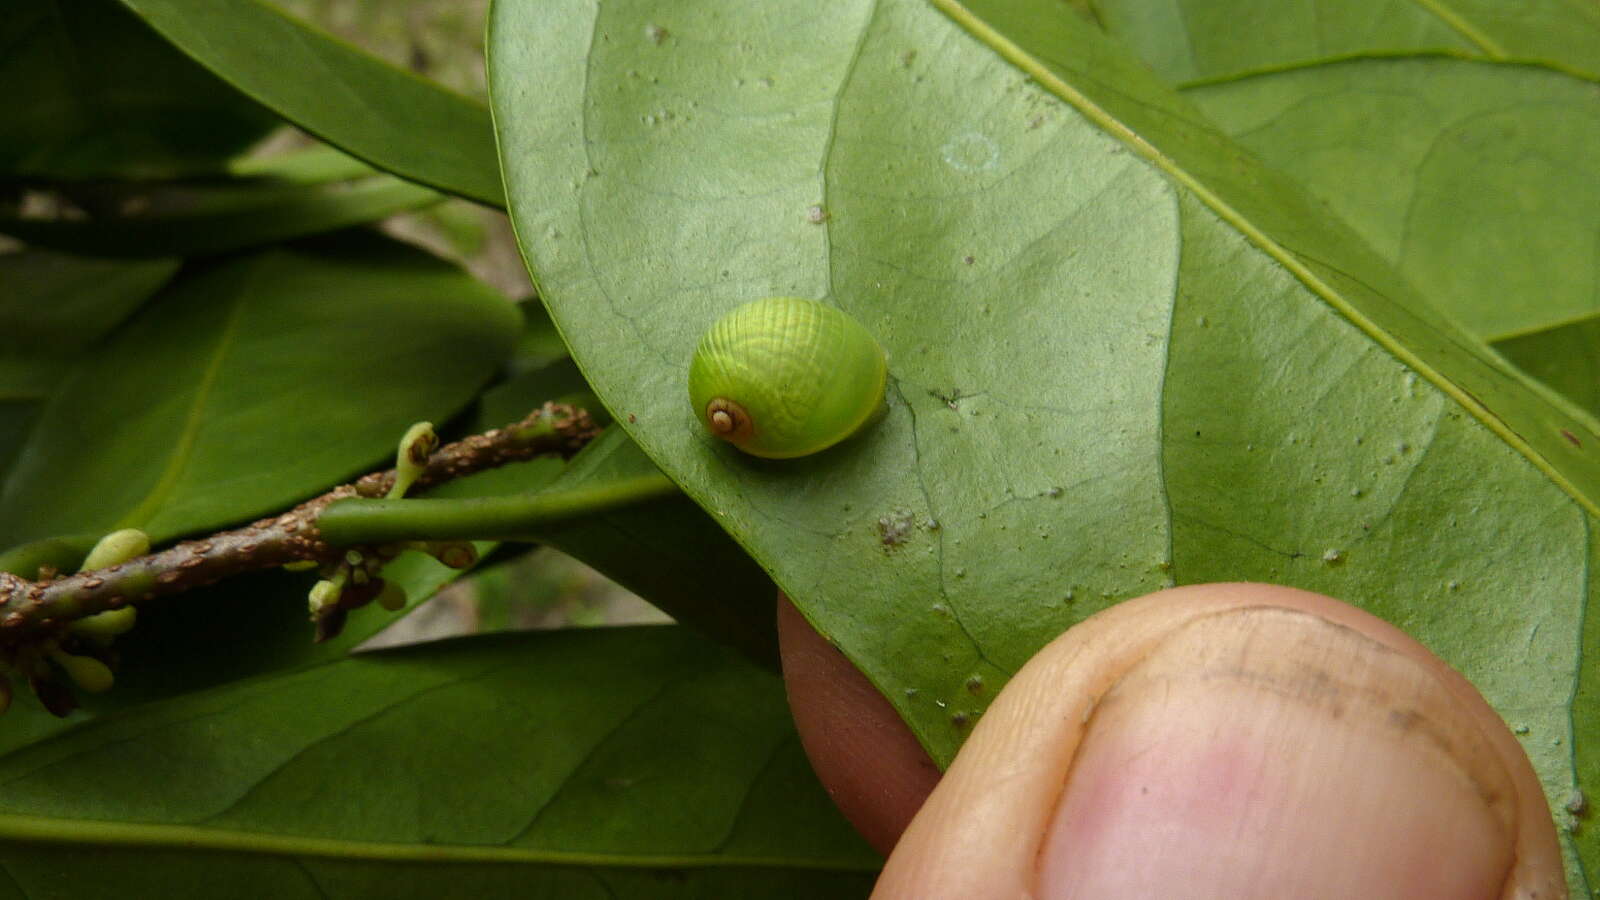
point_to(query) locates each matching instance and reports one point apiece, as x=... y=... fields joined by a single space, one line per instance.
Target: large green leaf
x=1479 y=184
x=1472 y=176
x=630 y=762
x=1123 y=353
x=1189 y=39
x=66 y=304
x=387 y=116
x=60 y=304
x=52 y=307
x=89 y=91
x=1566 y=357
x=251 y=384
x=191 y=219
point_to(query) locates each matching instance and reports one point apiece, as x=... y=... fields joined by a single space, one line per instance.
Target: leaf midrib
x=183 y=448
x=87 y=832
x=1589 y=317
x=1114 y=126
x=1335 y=59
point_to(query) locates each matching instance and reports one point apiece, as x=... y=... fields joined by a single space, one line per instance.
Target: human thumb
x=1233 y=741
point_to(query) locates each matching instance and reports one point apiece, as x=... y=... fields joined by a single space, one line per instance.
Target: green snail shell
x=785 y=377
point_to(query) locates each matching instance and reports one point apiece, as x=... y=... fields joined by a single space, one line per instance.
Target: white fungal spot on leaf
x=971 y=152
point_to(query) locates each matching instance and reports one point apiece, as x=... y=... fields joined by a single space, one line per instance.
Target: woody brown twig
x=30 y=610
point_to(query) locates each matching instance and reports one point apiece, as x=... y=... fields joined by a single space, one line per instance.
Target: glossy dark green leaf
x=245 y=626
x=392 y=119
x=1472 y=176
x=89 y=92
x=58 y=304
x=618 y=762
x=251 y=384
x=197 y=218
x=1566 y=357
x=1480 y=184
x=314 y=164
x=1189 y=39
x=53 y=307
x=242 y=627
x=1123 y=353
x=1468 y=173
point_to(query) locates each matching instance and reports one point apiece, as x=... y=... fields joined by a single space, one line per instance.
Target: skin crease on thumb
x=1009 y=810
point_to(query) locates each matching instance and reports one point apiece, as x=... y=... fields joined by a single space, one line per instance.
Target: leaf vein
x=343 y=730
x=1459 y=24
x=749 y=791
x=833 y=134
x=588 y=755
